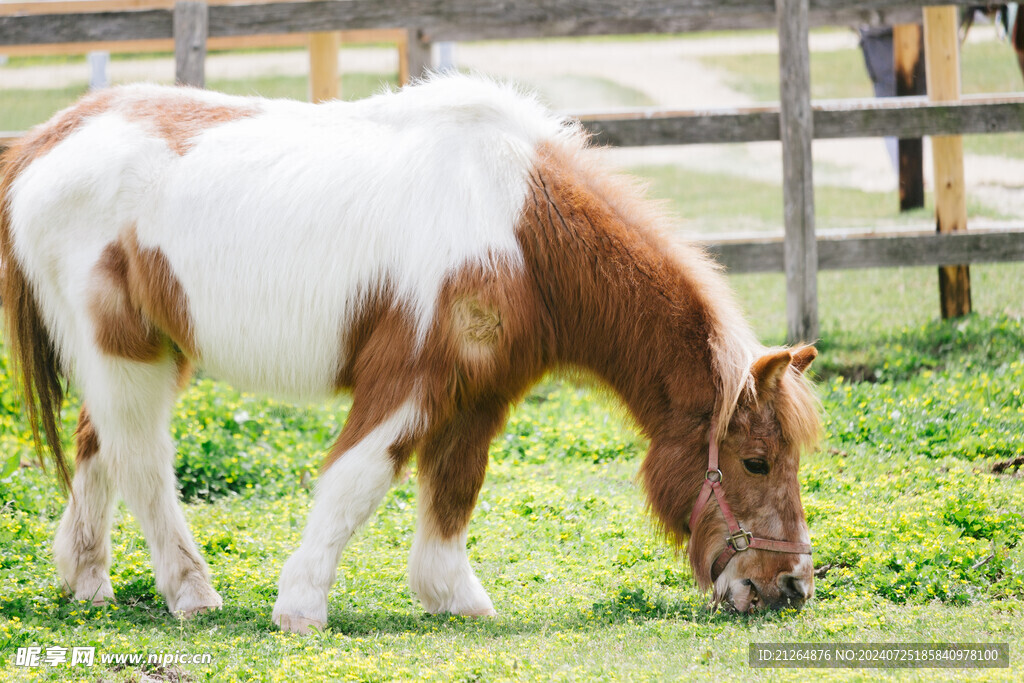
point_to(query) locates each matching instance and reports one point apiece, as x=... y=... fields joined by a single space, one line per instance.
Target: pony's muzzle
x=795 y=588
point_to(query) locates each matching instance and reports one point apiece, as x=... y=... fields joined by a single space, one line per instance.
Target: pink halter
x=738 y=539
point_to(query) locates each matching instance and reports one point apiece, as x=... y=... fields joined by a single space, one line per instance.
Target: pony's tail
x=30 y=347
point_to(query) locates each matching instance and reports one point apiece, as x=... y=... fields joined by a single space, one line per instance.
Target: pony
x=434 y=251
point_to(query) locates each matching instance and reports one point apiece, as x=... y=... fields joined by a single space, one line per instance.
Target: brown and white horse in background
x=434 y=252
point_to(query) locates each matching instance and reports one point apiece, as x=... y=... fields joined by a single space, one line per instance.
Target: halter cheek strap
x=739 y=539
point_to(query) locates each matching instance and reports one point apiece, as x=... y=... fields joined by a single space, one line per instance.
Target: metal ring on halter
x=735 y=540
x=714 y=476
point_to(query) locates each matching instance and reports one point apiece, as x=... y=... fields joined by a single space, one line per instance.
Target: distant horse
x=1007 y=18
x=433 y=251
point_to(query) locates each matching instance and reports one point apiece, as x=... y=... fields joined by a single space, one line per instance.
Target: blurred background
x=713 y=190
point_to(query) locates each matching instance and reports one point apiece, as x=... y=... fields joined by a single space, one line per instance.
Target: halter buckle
x=740 y=540
x=714 y=476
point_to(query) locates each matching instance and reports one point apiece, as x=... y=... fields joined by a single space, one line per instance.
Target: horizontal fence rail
x=902 y=117
x=843 y=250
x=440 y=20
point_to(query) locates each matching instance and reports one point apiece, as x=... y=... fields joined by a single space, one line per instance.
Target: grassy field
x=917 y=531
x=918 y=539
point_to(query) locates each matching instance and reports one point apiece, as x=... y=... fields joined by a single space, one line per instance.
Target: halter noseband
x=739 y=539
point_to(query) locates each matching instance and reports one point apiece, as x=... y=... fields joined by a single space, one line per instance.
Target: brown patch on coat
x=379 y=368
x=86 y=440
x=478 y=347
x=179 y=119
x=138 y=305
x=483 y=343
x=618 y=300
x=453 y=463
x=121 y=329
x=156 y=291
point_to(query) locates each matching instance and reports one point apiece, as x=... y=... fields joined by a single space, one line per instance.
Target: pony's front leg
x=451 y=468
x=348 y=491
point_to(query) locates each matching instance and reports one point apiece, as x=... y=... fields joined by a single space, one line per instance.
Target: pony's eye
x=756 y=466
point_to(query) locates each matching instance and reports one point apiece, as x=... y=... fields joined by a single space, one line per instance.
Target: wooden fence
x=795 y=122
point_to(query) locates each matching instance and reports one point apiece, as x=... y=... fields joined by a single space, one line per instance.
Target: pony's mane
x=732 y=343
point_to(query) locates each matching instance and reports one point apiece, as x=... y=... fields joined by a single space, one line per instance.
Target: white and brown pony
x=434 y=252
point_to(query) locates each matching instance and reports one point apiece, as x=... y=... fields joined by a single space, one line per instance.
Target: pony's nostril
x=792 y=586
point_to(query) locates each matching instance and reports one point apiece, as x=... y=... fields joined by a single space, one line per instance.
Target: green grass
x=990 y=67
x=353 y=86
x=834 y=74
x=862 y=305
x=996 y=144
x=899 y=499
x=22 y=109
x=709 y=203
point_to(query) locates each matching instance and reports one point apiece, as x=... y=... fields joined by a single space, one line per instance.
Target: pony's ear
x=803 y=357
x=768 y=370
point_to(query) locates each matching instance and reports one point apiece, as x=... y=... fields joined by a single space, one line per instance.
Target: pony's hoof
x=96 y=598
x=301 y=625
x=196 y=600
x=487 y=612
x=185 y=614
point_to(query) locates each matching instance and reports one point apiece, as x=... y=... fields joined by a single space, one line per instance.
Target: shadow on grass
x=139 y=614
x=626 y=605
x=939 y=345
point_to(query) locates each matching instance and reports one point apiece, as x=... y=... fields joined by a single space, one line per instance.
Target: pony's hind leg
x=82 y=545
x=130 y=406
x=451 y=468
x=368 y=454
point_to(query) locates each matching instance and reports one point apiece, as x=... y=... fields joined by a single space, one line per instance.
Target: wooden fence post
x=99 y=69
x=797 y=130
x=908 y=62
x=942 y=63
x=190 y=31
x=403 y=60
x=418 y=56
x=323 y=66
